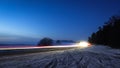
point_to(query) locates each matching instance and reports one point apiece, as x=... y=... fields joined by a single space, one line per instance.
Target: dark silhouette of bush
x=108 y=34
x=58 y=42
x=45 y=42
x=64 y=41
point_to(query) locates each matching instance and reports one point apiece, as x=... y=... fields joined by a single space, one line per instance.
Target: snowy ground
x=93 y=57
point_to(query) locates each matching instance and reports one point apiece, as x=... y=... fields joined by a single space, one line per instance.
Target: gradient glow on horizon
x=57 y=19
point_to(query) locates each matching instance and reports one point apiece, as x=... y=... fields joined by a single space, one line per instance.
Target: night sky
x=27 y=21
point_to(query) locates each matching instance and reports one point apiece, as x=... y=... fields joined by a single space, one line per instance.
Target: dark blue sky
x=31 y=20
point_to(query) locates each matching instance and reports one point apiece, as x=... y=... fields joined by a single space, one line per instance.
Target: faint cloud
x=15 y=39
x=8 y=38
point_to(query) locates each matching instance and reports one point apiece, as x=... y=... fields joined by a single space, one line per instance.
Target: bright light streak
x=37 y=47
x=83 y=44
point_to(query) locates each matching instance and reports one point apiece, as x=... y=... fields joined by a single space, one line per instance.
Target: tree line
x=108 y=34
x=48 y=41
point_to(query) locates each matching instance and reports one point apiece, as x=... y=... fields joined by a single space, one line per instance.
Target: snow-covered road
x=92 y=57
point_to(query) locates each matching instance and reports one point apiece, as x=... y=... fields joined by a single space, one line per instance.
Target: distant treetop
x=45 y=42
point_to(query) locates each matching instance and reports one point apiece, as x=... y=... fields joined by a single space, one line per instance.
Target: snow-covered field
x=92 y=57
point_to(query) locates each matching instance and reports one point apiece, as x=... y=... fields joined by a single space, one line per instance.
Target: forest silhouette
x=108 y=34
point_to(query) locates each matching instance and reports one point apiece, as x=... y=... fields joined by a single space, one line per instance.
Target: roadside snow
x=93 y=57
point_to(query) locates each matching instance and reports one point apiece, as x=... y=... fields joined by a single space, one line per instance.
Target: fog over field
x=92 y=57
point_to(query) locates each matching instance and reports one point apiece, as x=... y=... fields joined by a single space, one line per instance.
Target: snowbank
x=93 y=57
